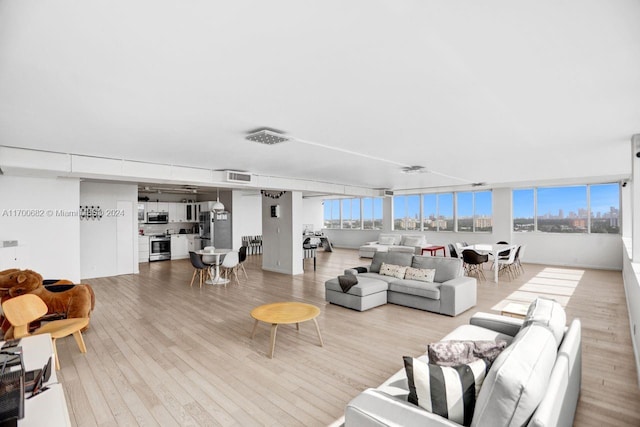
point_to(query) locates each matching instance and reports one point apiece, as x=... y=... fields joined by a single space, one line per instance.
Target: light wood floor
x=162 y=353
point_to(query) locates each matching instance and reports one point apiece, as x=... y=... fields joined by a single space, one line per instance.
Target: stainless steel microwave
x=157 y=218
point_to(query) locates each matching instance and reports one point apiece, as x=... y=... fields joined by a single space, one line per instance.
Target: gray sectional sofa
x=451 y=292
x=535 y=381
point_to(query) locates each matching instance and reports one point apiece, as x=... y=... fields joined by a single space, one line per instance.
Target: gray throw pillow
x=452 y=353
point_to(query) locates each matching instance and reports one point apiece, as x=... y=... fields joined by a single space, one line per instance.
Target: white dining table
x=494 y=250
x=217 y=280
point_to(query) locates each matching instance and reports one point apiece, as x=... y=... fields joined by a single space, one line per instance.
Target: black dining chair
x=201 y=269
x=501 y=255
x=242 y=257
x=473 y=262
x=452 y=251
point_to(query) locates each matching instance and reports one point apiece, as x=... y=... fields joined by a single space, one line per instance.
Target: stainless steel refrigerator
x=214 y=230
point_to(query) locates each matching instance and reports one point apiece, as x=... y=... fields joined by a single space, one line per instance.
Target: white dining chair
x=508 y=264
x=230 y=265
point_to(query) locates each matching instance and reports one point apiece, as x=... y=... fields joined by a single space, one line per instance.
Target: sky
x=569 y=199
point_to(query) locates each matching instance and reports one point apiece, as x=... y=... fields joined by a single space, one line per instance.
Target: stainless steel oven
x=159 y=248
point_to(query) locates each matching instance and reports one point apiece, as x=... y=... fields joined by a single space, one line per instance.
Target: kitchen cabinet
x=177 y=212
x=14 y=257
x=143 y=249
x=173 y=212
x=191 y=244
x=190 y=214
x=179 y=246
x=158 y=207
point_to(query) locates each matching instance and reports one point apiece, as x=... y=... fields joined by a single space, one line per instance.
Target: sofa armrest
x=354 y=272
x=376 y=408
x=503 y=324
x=371 y=243
x=458 y=295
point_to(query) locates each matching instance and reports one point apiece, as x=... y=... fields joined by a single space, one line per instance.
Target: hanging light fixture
x=217 y=206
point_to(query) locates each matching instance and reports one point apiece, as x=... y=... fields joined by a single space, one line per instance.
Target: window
x=574 y=209
x=604 y=202
x=482 y=211
x=351 y=213
x=332 y=213
x=372 y=213
x=465 y=211
x=430 y=212
x=445 y=212
x=562 y=209
x=406 y=212
x=474 y=211
x=523 y=210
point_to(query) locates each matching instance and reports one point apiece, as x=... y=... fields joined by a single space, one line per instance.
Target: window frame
x=359 y=201
x=588 y=208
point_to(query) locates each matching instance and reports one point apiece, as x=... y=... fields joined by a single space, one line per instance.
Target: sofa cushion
x=366 y=286
x=397 y=258
x=446 y=268
x=447 y=391
x=549 y=313
x=386 y=240
x=518 y=379
x=414 y=287
x=396 y=238
x=378 y=276
x=413 y=240
x=420 y=274
x=397 y=271
x=452 y=353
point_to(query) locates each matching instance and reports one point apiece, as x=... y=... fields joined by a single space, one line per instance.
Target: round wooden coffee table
x=284 y=313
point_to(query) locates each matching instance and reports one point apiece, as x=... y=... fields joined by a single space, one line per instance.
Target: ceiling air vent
x=267 y=137
x=388 y=193
x=239 y=177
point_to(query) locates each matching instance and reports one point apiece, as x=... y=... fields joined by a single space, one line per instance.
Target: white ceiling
x=491 y=91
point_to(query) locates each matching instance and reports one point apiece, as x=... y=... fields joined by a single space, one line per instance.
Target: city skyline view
x=570 y=209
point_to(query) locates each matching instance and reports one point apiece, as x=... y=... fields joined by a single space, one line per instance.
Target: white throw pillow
x=421 y=274
x=518 y=380
x=547 y=312
x=392 y=270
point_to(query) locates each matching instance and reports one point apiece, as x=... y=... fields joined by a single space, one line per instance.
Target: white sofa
x=412 y=243
x=534 y=382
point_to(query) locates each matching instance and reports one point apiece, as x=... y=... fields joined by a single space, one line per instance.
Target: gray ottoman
x=368 y=293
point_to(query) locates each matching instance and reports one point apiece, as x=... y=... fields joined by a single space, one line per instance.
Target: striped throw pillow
x=446 y=391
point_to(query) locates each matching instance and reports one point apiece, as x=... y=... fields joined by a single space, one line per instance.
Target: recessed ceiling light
x=267 y=137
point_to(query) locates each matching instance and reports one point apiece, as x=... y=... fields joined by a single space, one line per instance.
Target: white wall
x=102 y=243
x=312 y=212
x=246 y=216
x=52 y=240
x=630 y=275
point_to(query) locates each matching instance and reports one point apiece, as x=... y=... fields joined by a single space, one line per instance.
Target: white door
x=126 y=225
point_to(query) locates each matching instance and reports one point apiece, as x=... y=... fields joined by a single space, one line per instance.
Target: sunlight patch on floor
x=552 y=282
